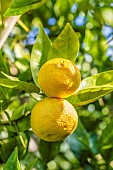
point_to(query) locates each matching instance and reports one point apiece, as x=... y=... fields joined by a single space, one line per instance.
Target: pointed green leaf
x=3 y=65
x=22 y=6
x=39 y=52
x=49 y=150
x=20 y=140
x=13 y=162
x=24 y=124
x=66 y=45
x=92 y=88
x=3 y=100
x=31 y=164
x=19 y=112
x=21 y=85
x=107 y=138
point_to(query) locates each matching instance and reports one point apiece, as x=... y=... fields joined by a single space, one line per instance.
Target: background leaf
x=19 y=112
x=31 y=164
x=13 y=162
x=3 y=100
x=21 y=85
x=39 y=52
x=66 y=45
x=22 y=6
x=20 y=140
x=93 y=88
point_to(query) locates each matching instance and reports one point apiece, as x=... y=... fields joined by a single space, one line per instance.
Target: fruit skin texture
x=59 y=78
x=53 y=119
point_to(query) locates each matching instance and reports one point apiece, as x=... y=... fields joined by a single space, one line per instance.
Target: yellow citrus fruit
x=59 y=78
x=53 y=119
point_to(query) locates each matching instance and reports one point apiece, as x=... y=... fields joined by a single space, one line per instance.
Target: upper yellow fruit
x=53 y=119
x=59 y=78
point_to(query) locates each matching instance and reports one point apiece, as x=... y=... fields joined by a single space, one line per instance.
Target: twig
x=9 y=24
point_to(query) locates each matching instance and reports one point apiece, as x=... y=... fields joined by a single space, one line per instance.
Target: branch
x=9 y=24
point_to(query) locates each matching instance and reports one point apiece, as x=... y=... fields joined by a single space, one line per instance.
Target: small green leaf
x=66 y=45
x=39 y=52
x=22 y=6
x=106 y=137
x=10 y=128
x=92 y=88
x=13 y=162
x=49 y=150
x=3 y=65
x=106 y=142
x=24 y=124
x=3 y=100
x=21 y=85
x=21 y=141
x=31 y=164
x=19 y=112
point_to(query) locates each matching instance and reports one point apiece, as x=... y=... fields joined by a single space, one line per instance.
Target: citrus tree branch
x=8 y=26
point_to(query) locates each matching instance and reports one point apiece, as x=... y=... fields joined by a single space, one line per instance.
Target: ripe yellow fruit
x=53 y=119
x=59 y=78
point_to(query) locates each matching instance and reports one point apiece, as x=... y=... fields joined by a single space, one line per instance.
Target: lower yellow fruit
x=59 y=78
x=53 y=119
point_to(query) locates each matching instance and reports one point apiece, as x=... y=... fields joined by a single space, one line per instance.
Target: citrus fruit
x=59 y=78
x=53 y=119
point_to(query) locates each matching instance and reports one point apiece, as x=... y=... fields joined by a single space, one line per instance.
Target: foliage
x=51 y=24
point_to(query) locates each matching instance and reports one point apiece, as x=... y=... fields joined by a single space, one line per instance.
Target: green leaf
x=106 y=142
x=49 y=150
x=3 y=65
x=19 y=112
x=3 y=100
x=22 y=6
x=21 y=85
x=66 y=45
x=93 y=88
x=107 y=135
x=107 y=15
x=13 y=162
x=39 y=52
x=21 y=141
x=24 y=124
x=31 y=164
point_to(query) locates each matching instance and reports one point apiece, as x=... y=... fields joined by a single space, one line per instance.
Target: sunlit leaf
x=39 y=52
x=92 y=88
x=22 y=6
x=21 y=85
x=66 y=45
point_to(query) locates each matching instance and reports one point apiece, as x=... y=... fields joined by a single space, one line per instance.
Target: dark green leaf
x=21 y=141
x=66 y=45
x=3 y=100
x=24 y=124
x=13 y=162
x=10 y=128
x=19 y=112
x=92 y=88
x=22 y=6
x=39 y=52
x=31 y=164
x=49 y=150
x=21 y=85
x=3 y=65
x=107 y=135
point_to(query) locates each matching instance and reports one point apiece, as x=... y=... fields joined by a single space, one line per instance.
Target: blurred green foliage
x=90 y=147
